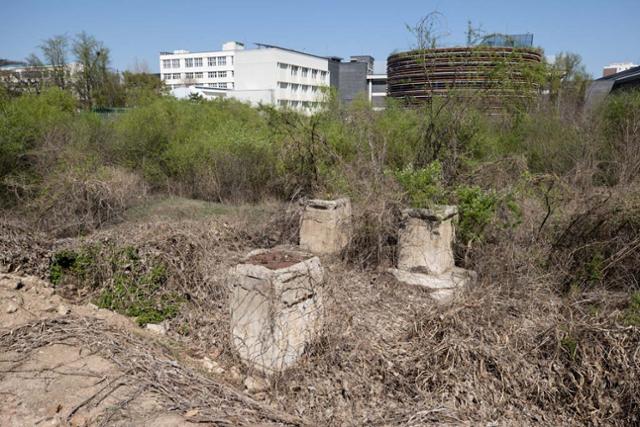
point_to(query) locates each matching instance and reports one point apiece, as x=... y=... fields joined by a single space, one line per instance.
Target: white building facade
x=266 y=75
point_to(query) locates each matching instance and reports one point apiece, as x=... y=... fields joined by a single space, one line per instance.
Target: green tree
x=93 y=59
x=141 y=88
x=568 y=79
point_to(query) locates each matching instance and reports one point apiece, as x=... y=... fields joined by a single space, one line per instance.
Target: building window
x=176 y=76
x=222 y=60
x=294 y=70
x=282 y=102
x=211 y=84
x=199 y=75
x=222 y=85
x=188 y=62
x=314 y=74
x=314 y=89
x=283 y=85
x=283 y=67
x=211 y=61
x=305 y=72
x=212 y=74
x=188 y=75
x=323 y=75
x=294 y=87
x=305 y=88
x=222 y=74
x=175 y=63
x=166 y=63
x=197 y=62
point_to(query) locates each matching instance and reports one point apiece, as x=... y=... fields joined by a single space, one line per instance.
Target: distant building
x=270 y=75
x=616 y=67
x=356 y=78
x=25 y=78
x=600 y=88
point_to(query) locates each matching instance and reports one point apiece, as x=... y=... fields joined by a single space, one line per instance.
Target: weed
x=570 y=346
x=632 y=313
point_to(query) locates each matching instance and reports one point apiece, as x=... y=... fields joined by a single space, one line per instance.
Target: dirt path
x=65 y=364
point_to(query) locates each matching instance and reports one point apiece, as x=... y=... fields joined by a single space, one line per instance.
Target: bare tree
x=55 y=50
x=93 y=59
x=33 y=61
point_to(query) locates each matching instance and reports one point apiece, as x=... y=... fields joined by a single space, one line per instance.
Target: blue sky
x=136 y=30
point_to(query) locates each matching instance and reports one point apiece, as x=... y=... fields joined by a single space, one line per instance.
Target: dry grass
x=514 y=349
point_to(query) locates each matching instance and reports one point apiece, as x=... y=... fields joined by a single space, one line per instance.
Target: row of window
x=296 y=70
x=297 y=104
x=222 y=85
x=296 y=86
x=197 y=75
x=212 y=61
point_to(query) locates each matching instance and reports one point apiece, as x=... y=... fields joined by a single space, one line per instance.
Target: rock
x=47 y=291
x=235 y=374
x=256 y=384
x=49 y=308
x=157 y=328
x=212 y=366
x=11 y=308
x=92 y=306
x=326 y=226
x=275 y=311
x=426 y=238
x=63 y=310
x=11 y=283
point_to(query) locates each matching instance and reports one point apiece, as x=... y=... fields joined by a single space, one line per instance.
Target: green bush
x=423 y=187
x=25 y=124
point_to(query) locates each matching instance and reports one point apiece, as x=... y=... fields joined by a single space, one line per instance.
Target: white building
x=265 y=75
x=616 y=67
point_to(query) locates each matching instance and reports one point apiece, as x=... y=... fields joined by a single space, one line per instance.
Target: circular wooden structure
x=420 y=75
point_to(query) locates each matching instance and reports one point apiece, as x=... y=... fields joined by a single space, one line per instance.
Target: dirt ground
x=68 y=364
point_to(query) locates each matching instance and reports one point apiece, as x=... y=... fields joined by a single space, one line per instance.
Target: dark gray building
x=355 y=78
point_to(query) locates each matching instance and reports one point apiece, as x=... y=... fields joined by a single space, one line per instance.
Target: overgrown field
x=144 y=212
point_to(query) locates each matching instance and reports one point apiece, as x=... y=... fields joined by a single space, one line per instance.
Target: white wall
x=258 y=69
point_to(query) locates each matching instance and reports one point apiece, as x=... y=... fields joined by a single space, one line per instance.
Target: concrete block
x=326 y=226
x=443 y=286
x=275 y=306
x=426 y=239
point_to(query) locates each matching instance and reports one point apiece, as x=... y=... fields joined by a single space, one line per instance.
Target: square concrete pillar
x=275 y=306
x=426 y=240
x=326 y=226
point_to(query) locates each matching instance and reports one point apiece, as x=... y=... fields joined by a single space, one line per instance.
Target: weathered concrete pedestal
x=275 y=306
x=326 y=226
x=425 y=252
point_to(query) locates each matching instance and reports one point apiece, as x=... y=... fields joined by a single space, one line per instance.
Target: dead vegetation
x=516 y=348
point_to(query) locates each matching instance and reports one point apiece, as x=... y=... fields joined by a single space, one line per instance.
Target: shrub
x=25 y=121
x=81 y=200
x=423 y=187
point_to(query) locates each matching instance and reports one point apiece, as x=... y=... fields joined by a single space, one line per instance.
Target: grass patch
x=124 y=281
